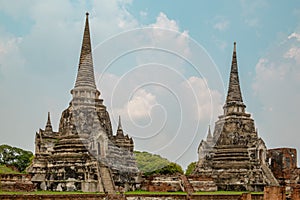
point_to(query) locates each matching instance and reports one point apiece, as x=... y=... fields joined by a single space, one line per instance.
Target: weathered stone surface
x=283 y=163
x=84 y=154
x=163 y=183
x=129 y=197
x=246 y=196
x=295 y=194
x=202 y=183
x=274 y=193
x=174 y=183
x=234 y=156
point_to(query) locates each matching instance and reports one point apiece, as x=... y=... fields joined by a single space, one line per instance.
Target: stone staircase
x=268 y=173
x=186 y=184
x=107 y=181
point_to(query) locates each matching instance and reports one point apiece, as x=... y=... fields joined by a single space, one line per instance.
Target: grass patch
x=148 y=192
x=222 y=192
x=226 y=192
x=7 y=170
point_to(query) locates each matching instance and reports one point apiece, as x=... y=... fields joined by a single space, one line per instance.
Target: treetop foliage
x=150 y=164
x=13 y=156
x=190 y=168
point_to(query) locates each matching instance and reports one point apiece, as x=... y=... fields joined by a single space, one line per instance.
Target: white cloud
x=140 y=105
x=276 y=86
x=221 y=44
x=10 y=58
x=162 y=21
x=253 y=22
x=265 y=70
x=250 y=9
x=9 y=45
x=294 y=53
x=165 y=34
x=17 y=10
x=208 y=102
x=221 y=25
x=143 y=13
x=179 y=39
x=294 y=35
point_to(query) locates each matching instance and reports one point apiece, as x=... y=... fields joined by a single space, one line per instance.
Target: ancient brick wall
x=202 y=183
x=174 y=183
x=295 y=194
x=16 y=182
x=283 y=162
x=129 y=197
x=274 y=193
x=162 y=183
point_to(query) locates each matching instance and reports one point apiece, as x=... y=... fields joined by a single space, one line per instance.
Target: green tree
x=14 y=156
x=190 y=168
x=150 y=164
x=172 y=168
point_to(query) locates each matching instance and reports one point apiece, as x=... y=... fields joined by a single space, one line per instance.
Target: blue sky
x=156 y=92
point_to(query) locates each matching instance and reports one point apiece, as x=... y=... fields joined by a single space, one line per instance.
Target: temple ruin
x=234 y=155
x=84 y=154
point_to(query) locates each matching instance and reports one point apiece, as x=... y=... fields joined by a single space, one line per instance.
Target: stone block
x=274 y=193
x=295 y=194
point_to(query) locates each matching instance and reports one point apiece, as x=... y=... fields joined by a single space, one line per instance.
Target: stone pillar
x=274 y=193
x=246 y=196
x=295 y=194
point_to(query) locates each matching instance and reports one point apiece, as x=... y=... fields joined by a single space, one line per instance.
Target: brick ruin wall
x=270 y=193
x=174 y=183
x=202 y=183
x=16 y=183
x=131 y=197
x=162 y=183
x=283 y=163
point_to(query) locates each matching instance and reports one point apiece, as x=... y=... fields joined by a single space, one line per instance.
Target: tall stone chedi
x=234 y=156
x=84 y=154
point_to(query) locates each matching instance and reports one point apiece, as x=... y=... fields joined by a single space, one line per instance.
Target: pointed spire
x=209 y=136
x=234 y=91
x=119 y=124
x=120 y=130
x=85 y=76
x=48 y=124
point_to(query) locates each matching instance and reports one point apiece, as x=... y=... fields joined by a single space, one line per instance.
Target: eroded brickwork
x=132 y=197
x=274 y=193
x=162 y=183
x=16 y=183
x=283 y=163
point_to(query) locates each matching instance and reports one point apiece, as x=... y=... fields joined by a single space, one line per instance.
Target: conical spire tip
x=87 y=13
x=234 y=91
x=119 y=125
x=48 y=124
x=234 y=46
x=209 y=136
x=85 y=75
x=48 y=119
